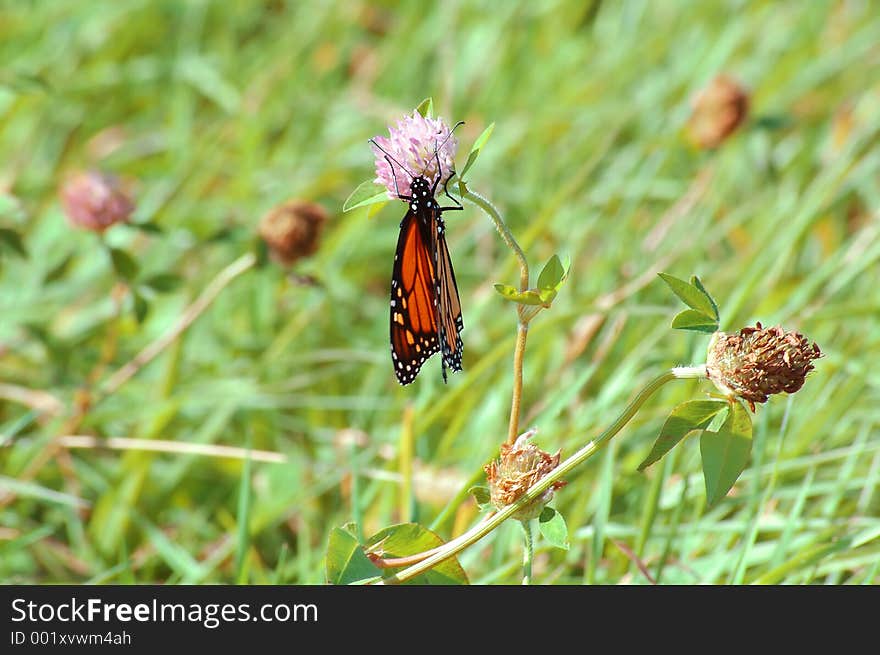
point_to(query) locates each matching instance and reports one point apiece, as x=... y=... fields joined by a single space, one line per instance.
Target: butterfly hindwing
x=450 y=322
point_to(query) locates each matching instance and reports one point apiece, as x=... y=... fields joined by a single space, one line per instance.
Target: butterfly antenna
x=448 y=136
x=388 y=156
x=437 y=147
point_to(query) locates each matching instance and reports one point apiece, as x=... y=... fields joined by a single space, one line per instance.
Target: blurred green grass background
x=219 y=111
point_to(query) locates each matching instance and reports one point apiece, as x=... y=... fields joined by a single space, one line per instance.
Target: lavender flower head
x=413 y=143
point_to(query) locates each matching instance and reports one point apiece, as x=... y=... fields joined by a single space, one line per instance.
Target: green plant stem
x=516 y=398
x=501 y=226
x=492 y=521
x=523 y=325
x=528 y=551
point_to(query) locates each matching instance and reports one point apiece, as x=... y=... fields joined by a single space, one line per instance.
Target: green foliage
x=13 y=241
x=552 y=274
x=703 y=313
x=691 y=319
x=475 y=151
x=550 y=280
x=481 y=495
x=713 y=308
x=527 y=297
x=687 y=417
x=407 y=539
x=148 y=227
x=141 y=307
x=553 y=528
x=726 y=452
x=366 y=193
x=163 y=282
x=124 y=264
x=345 y=561
x=59 y=271
x=426 y=107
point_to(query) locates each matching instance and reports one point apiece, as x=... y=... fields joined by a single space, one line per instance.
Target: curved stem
x=492 y=521
x=500 y=225
x=528 y=551
x=523 y=325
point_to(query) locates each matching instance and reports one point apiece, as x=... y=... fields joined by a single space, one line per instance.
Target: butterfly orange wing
x=414 y=301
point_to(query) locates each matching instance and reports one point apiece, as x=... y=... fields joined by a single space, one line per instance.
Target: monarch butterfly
x=425 y=307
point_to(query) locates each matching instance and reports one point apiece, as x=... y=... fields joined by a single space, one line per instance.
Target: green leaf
x=366 y=193
x=426 y=107
x=552 y=274
x=772 y=122
x=410 y=538
x=691 y=295
x=27 y=83
x=547 y=296
x=685 y=418
x=528 y=297
x=163 y=282
x=375 y=208
x=699 y=284
x=13 y=241
x=691 y=319
x=224 y=234
x=58 y=271
x=480 y=494
x=141 y=308
x=123 y=263
x=147 y=226
x=173 y=553
x=551 y=279
x=40 y=333
x=476 y=148
x=261 y=251
x=801 y=560
x=206 y=77
x=726 y=453
x=345 y=561
x=553 y=528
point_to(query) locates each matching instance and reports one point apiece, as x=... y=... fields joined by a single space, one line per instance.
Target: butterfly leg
x=445 y=183
x=458 y=205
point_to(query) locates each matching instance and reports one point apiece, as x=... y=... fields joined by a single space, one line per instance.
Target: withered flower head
x=292 y=230
x=758 y=362
x=519 y=467
x=717 y=111
x=95 y=201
